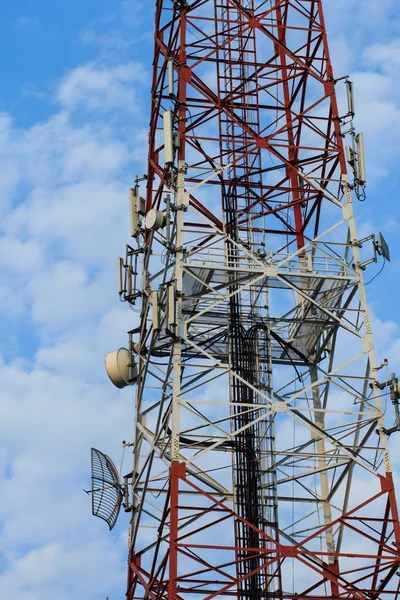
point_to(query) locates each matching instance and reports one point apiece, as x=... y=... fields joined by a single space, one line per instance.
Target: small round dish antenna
x=155 y=220
x=120 y=368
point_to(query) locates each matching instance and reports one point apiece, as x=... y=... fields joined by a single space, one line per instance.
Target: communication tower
x=261 y=466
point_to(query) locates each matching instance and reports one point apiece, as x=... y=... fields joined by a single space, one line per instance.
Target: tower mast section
x=261 y=465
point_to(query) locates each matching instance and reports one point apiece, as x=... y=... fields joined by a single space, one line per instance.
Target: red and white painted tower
x=261 y=466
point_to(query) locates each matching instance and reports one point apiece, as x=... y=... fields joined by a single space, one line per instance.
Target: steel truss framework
x=261 y=462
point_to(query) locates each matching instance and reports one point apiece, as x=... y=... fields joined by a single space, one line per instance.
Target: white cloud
x=63 y=295
x=18 y=255
x=96 y=88
x=29 y=22
x=49 y=422
x=361 y=23
x=70 y=355
x=64 y=222
x=59 y=572
x=384 y=55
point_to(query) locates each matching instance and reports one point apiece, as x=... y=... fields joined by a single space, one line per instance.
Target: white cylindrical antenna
x=120 y=279
x=126 y=495
x=309 y=262
x=156 y=315
x=349 y=156
x=168 y=217
x=171 y=77
x=362 y=179
x=129 y=281
x=137 y=207
x=168 y=138
x=172 y=306
x=134 y=213
x=350 y=97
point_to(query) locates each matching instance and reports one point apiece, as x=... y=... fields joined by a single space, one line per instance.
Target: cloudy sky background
x=73 y=129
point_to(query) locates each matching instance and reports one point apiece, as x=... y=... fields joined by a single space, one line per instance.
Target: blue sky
x=73 y=129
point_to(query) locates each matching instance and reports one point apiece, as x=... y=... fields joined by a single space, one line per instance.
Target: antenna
x=171 y=77
x=137 y=209
x=383 y=247
x=361 y=159
x=168 y=138
x=106 y=490
x=121 y=289
x=350 y=156
x=156 y=316
x=350 y=97
x=121 y=367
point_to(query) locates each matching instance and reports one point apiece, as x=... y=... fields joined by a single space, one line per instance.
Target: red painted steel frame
x=212 y=579
x=293 y=118
x=295 y=126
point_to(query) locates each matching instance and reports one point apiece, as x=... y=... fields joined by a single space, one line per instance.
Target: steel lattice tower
x=261 y=462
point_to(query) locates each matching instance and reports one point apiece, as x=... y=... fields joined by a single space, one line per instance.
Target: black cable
x=377 y=275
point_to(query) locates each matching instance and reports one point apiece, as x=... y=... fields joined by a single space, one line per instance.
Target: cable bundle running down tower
x=261 y=466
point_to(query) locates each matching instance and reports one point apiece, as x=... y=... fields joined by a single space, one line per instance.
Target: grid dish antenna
x=106 y=490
